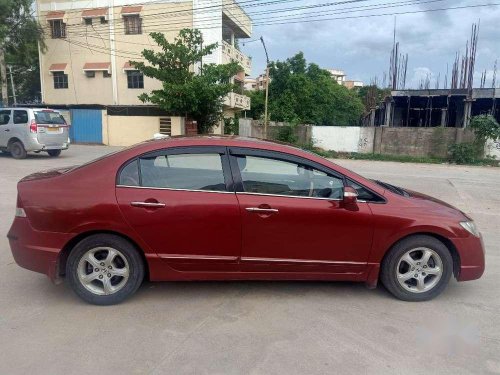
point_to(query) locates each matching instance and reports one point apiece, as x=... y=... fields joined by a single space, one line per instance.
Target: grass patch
x=397 y=158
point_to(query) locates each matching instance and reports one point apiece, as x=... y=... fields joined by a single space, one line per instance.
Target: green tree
x=257 y=98
x=301 y=92
x=183 y=91
x=19 y=34
x=372 y=95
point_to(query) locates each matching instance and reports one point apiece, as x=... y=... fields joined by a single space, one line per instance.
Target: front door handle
x=262 y=210
x=148 y=204
x=7 y=130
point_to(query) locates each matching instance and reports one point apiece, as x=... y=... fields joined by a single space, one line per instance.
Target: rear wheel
x=17 y=150
x=417 y=268
x=54 y=153
x=104 y=269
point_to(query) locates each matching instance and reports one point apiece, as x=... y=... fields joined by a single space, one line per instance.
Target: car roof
x=29 y=108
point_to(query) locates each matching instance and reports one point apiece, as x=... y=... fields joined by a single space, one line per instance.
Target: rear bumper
x=34 y=250
x=35 y=145
x=472 y=257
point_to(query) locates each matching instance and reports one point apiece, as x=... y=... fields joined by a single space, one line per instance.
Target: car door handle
x=7 y=130
x=148 y=204
x=262 y=210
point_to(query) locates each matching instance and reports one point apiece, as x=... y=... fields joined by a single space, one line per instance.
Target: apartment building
x=90 y=44
x=256 y=84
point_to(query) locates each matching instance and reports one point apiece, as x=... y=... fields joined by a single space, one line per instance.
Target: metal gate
x=86 y=126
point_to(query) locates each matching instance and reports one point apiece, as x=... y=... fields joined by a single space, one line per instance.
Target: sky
x=362 y=46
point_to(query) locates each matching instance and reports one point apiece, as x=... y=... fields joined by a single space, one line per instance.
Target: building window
x=106 y=74
x=104 y=20
x=90 y=73
x=57 y=29
x=60 y=80
x=135 y=79
x=88 y=21
x=133 y=24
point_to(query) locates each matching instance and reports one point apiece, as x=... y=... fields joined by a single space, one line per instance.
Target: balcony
x=236 y=19
x=229 y=53
x=237 y=101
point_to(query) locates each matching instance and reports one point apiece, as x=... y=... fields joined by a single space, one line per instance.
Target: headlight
x=470 y=227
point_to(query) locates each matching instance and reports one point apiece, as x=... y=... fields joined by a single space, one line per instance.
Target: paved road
x=258 y=327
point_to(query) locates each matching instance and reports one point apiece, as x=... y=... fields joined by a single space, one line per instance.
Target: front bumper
x=34 y=250
x=472 y=257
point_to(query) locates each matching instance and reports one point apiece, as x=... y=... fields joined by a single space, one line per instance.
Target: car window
x=4 y=117
x=271 y=176
x=363 y=193
x=20 y=117
x=46 y=117
x=129 y=176
x=183 y=171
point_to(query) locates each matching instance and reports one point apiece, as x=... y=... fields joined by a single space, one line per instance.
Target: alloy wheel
x=103 y=270
x=419 y=270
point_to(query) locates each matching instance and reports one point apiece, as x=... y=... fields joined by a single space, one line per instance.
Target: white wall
x=343 y=139
x=493 y=148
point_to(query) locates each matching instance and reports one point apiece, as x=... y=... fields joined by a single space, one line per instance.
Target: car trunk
x=52 y=128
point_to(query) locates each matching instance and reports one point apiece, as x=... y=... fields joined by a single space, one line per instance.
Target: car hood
x=431 y=203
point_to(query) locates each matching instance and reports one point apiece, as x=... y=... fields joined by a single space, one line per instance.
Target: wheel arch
x=66 y=250
x=12 y=140
x=447 y=242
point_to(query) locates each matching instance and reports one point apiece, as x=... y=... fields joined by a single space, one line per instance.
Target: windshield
x=392 y=188
x=45 y=117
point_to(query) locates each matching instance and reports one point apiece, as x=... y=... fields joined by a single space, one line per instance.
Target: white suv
x=32 y=129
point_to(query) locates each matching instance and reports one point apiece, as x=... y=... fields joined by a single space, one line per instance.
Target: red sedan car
x=217 y=208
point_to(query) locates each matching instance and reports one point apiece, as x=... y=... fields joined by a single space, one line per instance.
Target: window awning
x=127 y=66
x=95 y=13
x=55 y=15
x=97 y=66
x=60 y=67
x=129 y=11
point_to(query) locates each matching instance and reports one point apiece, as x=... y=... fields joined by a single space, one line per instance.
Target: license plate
x=55 y=130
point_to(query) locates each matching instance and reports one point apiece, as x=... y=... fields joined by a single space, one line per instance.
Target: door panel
x=193 y=231
x=310 y=235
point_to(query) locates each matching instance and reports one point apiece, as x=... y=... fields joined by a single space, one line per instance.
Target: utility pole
x=3 y=77
x=12 y=84
x=267 y=87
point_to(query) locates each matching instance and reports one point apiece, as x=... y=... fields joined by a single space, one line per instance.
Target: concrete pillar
x=232 y=38
x=467 y=112
x=388 y=114
x=444 y=112
x=372 y=117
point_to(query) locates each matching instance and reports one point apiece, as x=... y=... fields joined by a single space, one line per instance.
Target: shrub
x=286 y=134
x=463 y=153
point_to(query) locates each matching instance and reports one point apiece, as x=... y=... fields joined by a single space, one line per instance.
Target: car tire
x=54 y=153
x=104 y=269
x=417 y=268
x=16 y=149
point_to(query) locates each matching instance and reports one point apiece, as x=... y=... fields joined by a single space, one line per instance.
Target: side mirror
x=350 y=196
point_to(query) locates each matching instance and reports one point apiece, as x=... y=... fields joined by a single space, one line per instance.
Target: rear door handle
x=262 y=210
x=7 y=130
x=148 y=204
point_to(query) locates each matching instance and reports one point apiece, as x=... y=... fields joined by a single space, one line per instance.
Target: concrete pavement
x=258 y=327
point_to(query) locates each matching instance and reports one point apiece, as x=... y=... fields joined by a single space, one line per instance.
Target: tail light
x=19 y=208
x=33 y=127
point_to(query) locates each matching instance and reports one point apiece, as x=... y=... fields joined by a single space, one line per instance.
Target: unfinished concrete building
x=433 y=108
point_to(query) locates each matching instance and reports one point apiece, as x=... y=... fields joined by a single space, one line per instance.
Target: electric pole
x=12 y=84
x=267 y=87
x=3 y=77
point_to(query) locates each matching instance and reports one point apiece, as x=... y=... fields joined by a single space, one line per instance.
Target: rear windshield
x=49 y=118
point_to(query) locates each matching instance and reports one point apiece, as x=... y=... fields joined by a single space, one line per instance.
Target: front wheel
x=104 y=269
x=418 y=268
x=54 y=153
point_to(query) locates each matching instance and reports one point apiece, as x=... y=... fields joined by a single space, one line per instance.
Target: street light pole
x=267 y=88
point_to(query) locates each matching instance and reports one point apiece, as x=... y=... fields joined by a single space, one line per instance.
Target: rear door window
x=4 y=116
x=49 y=118
x=176 y=171
x=20 y=117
